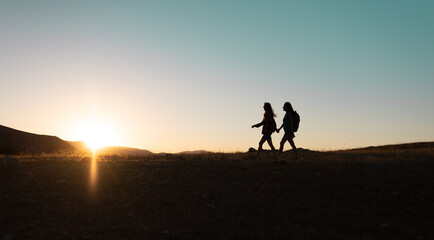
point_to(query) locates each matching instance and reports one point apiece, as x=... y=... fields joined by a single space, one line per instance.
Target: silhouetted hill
x=394 y=147
x=123 y=151
x=80 y=146
x=194 y=152
x=13 y=141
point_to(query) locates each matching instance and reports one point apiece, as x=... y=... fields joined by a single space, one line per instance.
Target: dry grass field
x=374 y=193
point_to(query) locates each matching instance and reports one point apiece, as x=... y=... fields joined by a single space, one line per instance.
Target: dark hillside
x=13 y=141
x=395 y=147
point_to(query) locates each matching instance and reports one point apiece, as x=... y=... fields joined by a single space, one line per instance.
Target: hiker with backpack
x=268 y=127
x=290 y=124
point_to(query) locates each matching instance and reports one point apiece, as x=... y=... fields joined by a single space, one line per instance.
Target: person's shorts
x=289 y=135
x=266 y=136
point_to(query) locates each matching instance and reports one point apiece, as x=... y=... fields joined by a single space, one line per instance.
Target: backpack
x=295 y=120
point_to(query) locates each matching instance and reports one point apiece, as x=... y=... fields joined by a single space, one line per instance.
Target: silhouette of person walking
x=288 y=127
x=268 y=127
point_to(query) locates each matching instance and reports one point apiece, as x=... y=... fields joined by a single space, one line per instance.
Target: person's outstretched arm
x=258 y=125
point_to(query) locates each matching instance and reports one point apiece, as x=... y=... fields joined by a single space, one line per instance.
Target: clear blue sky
x=186 y=75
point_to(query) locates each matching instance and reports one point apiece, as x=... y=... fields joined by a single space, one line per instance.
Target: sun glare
x=97 y=135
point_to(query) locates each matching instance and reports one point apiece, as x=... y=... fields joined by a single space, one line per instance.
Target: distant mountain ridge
x=111 y=150
x=194 y=152
x=80 y=146
x=14 y=141
x=123 y=151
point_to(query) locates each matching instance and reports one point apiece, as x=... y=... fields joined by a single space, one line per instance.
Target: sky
x=170 y=76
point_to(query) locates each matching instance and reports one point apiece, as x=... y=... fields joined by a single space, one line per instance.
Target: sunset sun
x=97 y=135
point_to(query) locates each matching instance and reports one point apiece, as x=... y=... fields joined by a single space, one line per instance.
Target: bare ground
x=348 y=195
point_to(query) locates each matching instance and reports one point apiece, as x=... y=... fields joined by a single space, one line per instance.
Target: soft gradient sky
x=186 y=75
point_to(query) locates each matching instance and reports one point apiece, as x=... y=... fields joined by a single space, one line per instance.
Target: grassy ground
x=330 y=195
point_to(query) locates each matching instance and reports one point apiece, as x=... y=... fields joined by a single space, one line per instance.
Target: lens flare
x=93 y=174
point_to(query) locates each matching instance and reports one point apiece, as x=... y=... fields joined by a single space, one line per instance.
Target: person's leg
x=261 y=142
x=270 y=142
x=282 y=143
x=291 y=141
